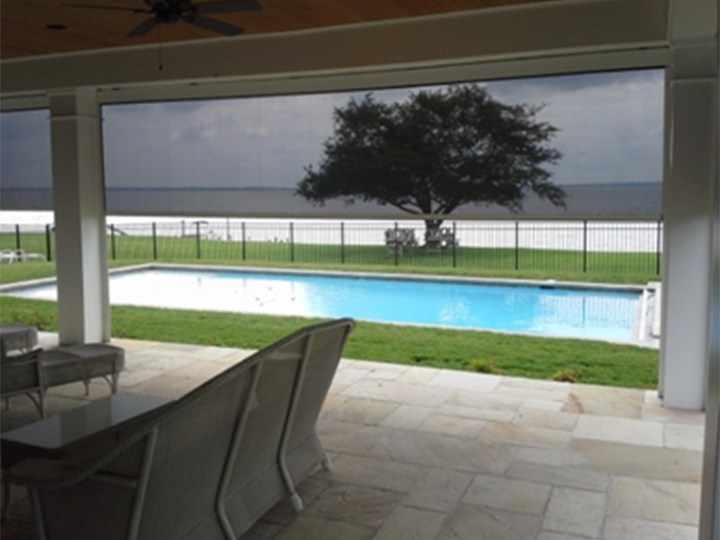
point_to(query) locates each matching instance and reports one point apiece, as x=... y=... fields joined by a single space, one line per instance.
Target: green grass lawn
x=592 y=362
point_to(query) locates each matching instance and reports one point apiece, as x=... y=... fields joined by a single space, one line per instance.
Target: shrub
x=566 y=375
x=485 y=366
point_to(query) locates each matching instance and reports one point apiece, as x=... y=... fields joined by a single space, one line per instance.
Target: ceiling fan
x=172 y=11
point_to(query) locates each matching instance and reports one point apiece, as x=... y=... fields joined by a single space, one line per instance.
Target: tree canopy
x=435 y=151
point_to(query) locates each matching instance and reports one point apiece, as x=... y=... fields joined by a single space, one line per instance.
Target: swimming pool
x=591 y=313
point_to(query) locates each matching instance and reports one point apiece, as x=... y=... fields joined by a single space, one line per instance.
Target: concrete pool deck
x=428 y=454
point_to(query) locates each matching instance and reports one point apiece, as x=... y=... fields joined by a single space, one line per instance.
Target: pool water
x=566 y=312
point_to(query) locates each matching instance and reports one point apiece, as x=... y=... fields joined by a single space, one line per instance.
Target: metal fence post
x=154 y=240
x=292 y=242
x=454 y=245
x=658 y=247
x=112 y=242
x=517 y=245
x=242 y=233
x=397 y=246
x=18 y=244
x=585 y=233
x=48 y=242
x=197 y=240
x=342 y=242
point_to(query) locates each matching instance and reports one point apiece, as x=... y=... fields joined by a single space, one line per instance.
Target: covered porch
x=501 y=457
x=422 y=453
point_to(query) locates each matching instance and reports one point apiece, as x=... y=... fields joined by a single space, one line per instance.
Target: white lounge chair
x=7 y=256
x=22 y=256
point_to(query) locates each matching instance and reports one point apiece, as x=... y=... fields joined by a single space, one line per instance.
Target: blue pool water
x=583 y=313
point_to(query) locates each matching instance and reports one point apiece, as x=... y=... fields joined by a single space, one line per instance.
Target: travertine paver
x=435 y=450
x=438 y=489
x=500 y=432
x=407 y=416
x=656 y=500
x=605 y=401
x=480 y=413
x=635 y=460
x=622 y=430
x=684 y=436
x=485 y=400
x=310 y=527
x=622 y=528
x=425 y=454
x=411 y=524
x=559 y=476
x=508 y=494
x=452 y=425
x=546 y=419
x=477 y=523
x=360 y=505
x=396 y=392
x=373 y=472
x=363 y=411
x=575 y=511
x=418 y=375
x=551 y=535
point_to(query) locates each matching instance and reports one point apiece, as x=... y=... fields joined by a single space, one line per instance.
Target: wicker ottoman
x=63 y=365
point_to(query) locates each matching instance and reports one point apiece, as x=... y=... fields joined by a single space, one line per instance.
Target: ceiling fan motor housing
x=171 y=11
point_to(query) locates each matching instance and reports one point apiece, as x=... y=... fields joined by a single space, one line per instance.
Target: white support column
x=691 y=154
x=710 y=499
x=79 y=202
x=688 y=223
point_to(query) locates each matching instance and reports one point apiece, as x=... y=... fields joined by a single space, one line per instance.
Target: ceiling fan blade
x=215 y=26
x=228 y=6
x=143 y=28
x=115 y=8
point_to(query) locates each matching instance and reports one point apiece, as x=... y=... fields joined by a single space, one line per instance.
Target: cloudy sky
x=611 y=129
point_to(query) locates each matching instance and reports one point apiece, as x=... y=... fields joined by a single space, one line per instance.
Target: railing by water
x=582 y=246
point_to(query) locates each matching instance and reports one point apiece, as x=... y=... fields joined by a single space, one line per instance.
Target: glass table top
x=58 y=431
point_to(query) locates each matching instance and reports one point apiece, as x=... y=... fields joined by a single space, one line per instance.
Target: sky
x=610 y=131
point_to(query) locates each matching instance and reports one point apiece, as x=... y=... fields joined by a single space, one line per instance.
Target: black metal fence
x=582 y=246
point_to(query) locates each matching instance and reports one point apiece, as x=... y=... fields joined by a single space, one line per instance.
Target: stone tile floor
x=427 y=454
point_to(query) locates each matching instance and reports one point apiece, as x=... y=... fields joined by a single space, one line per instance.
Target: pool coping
x=547 y=283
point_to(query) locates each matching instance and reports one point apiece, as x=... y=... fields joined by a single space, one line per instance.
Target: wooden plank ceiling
x=43 y=27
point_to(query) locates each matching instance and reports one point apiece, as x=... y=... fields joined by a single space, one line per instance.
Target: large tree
x=436 y=151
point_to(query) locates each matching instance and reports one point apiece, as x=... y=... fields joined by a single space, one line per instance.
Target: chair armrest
x=22 y=359
x=22 y=372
